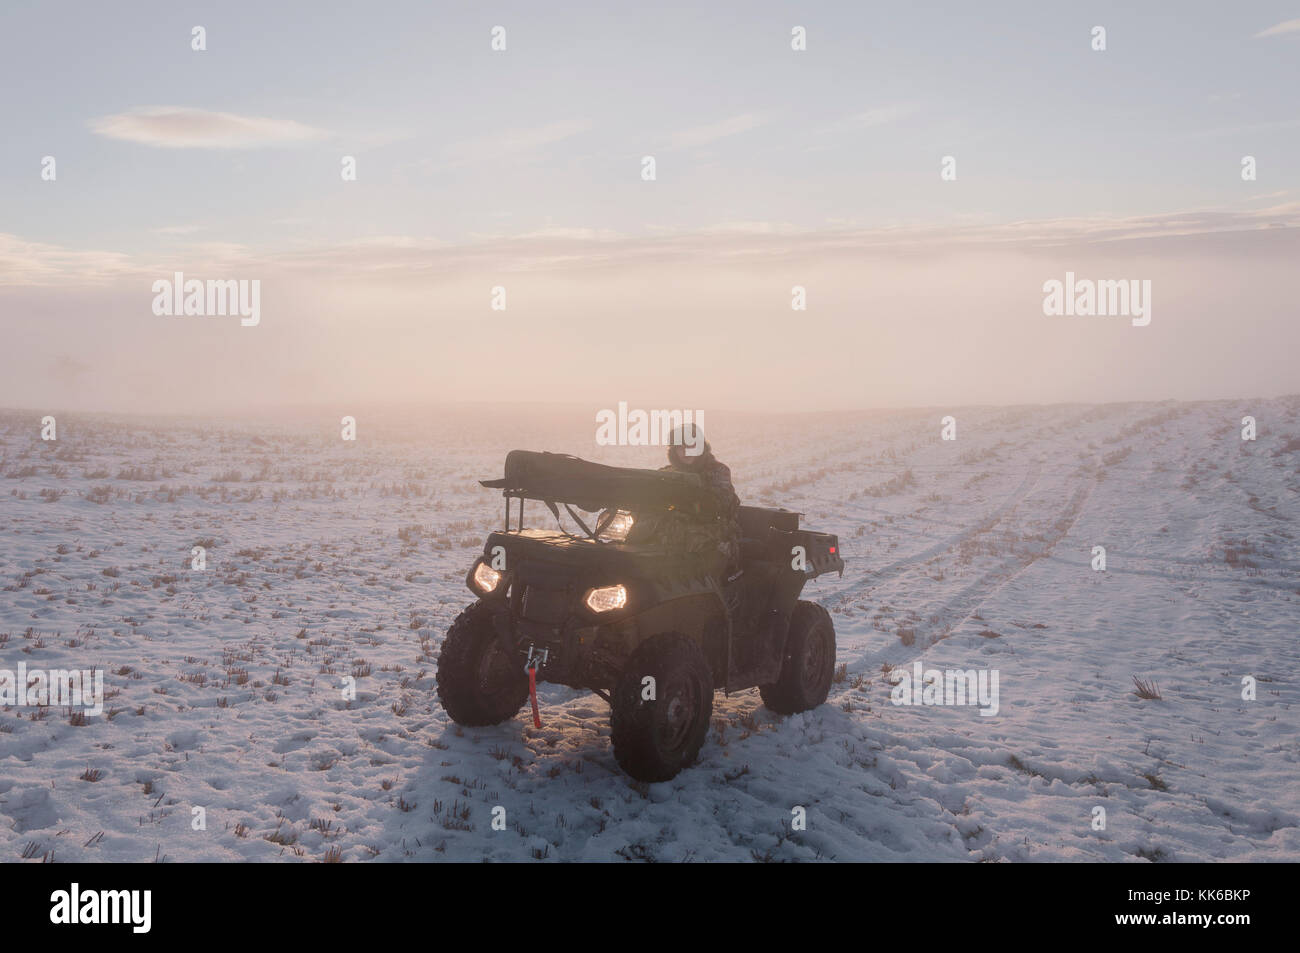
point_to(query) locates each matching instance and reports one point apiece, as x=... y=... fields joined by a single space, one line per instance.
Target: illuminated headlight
x=486 y=578
x=618 y=527
x=606 y=598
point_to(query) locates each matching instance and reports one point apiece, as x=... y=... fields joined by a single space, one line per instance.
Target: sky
x=522 y=169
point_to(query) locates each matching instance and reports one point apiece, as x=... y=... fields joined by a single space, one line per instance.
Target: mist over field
x=715 y=331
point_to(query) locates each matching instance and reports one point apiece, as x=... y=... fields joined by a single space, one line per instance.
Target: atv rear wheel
x=478 y=682
x=808 y=664
x=655 y=738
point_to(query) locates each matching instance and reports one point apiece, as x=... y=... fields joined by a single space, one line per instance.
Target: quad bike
x=652 y=632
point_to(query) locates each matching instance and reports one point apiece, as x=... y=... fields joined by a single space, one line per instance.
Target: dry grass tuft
x=1148 y=689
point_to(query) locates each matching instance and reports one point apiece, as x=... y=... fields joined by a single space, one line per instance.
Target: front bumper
x=577 y=654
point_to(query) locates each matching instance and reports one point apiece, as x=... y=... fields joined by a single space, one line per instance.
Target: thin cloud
x=513 y=144
x=558 y=248
x=698 y=136
x=878 y=116
x=1243 y=130
x=25 y=262
x=738 y=228
x=179 y=127
x=1286 y=26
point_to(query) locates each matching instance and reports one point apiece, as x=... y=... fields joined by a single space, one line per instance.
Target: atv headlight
x=606 y=598
x=486 y=579
x=618 y=528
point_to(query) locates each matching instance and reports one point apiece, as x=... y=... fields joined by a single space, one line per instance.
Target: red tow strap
x=532 y=695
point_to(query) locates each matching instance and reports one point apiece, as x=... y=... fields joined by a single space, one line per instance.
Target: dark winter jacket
x=718 y=534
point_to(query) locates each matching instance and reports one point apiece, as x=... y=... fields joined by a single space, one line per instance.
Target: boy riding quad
x=651 y=630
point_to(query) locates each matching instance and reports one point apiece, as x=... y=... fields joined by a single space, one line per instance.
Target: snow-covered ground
x=327 y=559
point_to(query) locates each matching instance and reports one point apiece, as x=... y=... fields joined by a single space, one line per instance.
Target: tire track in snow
x=983 y=525
x=956 y=609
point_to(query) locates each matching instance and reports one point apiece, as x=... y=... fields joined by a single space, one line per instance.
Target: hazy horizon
x=478 y=169
x=572 y=413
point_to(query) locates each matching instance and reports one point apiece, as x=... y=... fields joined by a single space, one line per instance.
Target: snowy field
x=327 y=559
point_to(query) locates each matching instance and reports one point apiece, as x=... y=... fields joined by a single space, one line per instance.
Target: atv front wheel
x=658 y=727
x=478 y=682
x=808 y=664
